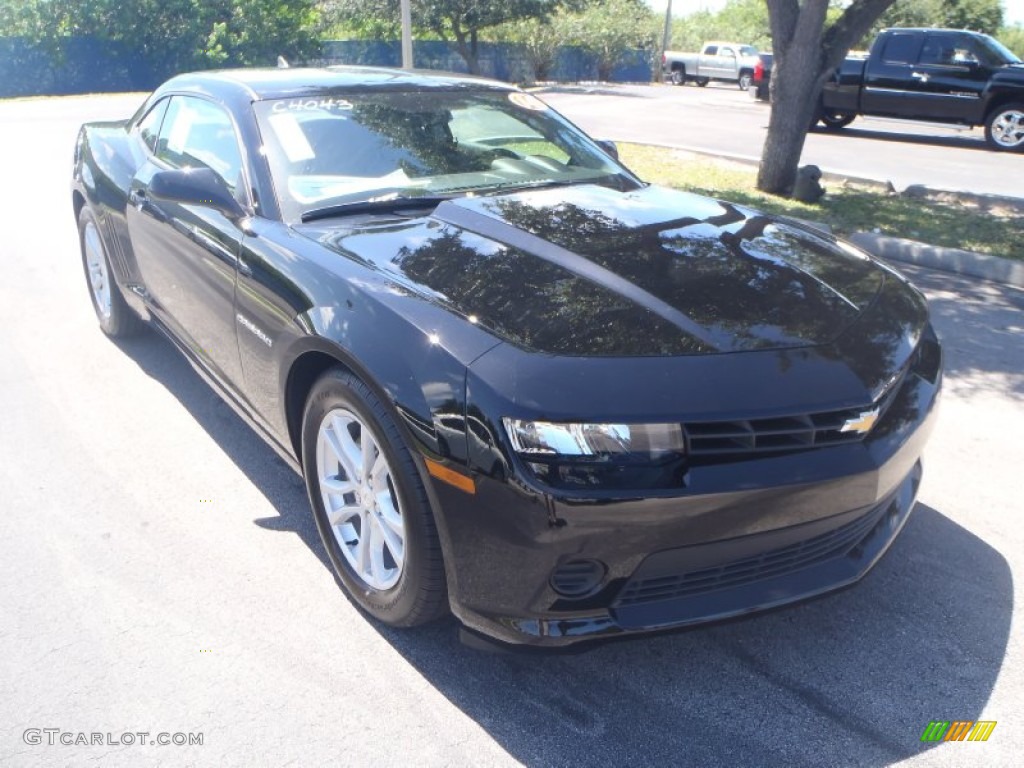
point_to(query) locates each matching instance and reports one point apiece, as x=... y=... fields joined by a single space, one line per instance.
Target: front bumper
x=743 y=537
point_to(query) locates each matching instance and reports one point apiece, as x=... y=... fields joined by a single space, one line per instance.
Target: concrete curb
x=954 y=260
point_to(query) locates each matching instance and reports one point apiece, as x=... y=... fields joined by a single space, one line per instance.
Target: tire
x=678 y=76
x=703 y=81
x=116 y=318
x=395 y=572
x=834 y=121
x=1004 y=128
x=746 y=80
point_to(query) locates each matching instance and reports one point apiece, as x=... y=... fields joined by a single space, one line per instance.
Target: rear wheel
x=833 y=120
x=115 y=316
x=702 y=81
x=678 y=76
x=369 y=503
x=1004 y=128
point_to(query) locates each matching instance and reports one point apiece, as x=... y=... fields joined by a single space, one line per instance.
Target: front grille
x=788 y=433
x=777 y=562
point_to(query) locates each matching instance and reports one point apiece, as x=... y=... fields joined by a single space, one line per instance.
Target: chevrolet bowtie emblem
x=862 y=423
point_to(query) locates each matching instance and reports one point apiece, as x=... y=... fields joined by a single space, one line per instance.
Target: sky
x=1013 y=10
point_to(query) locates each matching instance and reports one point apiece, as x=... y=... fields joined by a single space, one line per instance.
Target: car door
x=952 y=77
x=187 y=255
x=726 y=63
x=707 y=61
x=890 y=89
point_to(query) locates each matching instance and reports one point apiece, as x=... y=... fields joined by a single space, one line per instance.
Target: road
x=721 y=119
x=161 y=573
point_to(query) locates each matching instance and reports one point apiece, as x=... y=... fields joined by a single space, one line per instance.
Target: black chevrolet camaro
x=521 y=384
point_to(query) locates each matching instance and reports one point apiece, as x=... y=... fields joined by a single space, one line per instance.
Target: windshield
x=999 y=52
x=368 y=146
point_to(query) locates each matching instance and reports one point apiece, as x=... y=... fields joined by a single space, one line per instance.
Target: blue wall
x=87 y=65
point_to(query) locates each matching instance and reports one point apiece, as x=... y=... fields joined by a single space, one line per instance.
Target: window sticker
x=181 y=129
x=309 y=105
x=310 y=189
x=526 y=101
x=293 y=140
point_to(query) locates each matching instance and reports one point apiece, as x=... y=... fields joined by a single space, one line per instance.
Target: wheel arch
x=314 y=356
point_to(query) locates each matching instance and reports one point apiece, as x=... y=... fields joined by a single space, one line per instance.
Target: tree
x=742 y=21
x=458 y=21
x=807 y=49
x=607 y=29
x=1013 y=38
x=171 y=36
x=978 y=15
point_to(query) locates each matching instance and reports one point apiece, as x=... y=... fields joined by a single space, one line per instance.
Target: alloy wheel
x=360 y=499
x=96 y=265
x=1008 y=129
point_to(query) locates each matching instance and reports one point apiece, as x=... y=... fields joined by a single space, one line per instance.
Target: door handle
x=920 y=76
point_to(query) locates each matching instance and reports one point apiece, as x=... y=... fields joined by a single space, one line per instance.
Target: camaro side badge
x=245 y=321
x=862 y=423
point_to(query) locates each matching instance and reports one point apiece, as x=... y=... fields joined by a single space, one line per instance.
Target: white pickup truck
x=732 y=62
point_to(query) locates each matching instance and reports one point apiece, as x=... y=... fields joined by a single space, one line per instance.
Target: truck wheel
x=678 y=76
x=1004 y=127
x=745 y=81
x=834 y=121
x=702 y=81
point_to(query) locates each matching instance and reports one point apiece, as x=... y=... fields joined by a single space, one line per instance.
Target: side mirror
x=609 y=147
x=196 y=186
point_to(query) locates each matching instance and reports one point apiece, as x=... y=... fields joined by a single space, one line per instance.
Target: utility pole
x=406 y=35
x=666 y=37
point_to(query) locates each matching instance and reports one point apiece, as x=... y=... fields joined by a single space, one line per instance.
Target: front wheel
x=703 y=81
x=369 y=503
x=835 y=121
x=746 y=80
x=1004 y=128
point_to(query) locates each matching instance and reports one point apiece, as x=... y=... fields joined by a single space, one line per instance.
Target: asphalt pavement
x=720 y=119
x=161 y=572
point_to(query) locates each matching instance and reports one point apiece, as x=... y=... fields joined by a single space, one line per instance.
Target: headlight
x=547 y=440
x=623 y=457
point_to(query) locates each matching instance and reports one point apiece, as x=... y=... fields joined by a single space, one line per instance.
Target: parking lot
x=723 y=120
x=162 y=572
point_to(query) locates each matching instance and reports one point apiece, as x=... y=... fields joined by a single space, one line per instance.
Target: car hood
x=589 y=271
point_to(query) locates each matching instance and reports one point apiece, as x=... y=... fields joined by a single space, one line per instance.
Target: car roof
x=308 y=82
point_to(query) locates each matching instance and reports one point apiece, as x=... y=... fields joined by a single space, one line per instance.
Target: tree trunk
x=805 y=55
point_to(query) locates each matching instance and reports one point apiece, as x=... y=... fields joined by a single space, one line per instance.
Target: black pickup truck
x=936 y=75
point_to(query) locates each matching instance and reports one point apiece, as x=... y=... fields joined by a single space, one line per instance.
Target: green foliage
x=978 y=15
x=740 y=21
x=1013 y=38
x=172 y=35
x=607 y=29
x=460 y=21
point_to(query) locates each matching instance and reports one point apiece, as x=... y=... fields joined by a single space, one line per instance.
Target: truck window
x=711 y=50
x=901 y=49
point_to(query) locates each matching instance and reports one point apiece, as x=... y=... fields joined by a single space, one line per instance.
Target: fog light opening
x=578 y=578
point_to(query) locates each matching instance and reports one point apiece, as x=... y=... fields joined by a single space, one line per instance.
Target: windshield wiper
x=384 y=205
x=505 y=186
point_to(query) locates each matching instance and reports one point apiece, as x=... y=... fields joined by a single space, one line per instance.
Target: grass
x=993 y=228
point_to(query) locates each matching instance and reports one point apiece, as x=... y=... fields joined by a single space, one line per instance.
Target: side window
x=901 y=49
x=949 y=50
x=149 y=126
x=197 y=133
x=711 y=50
